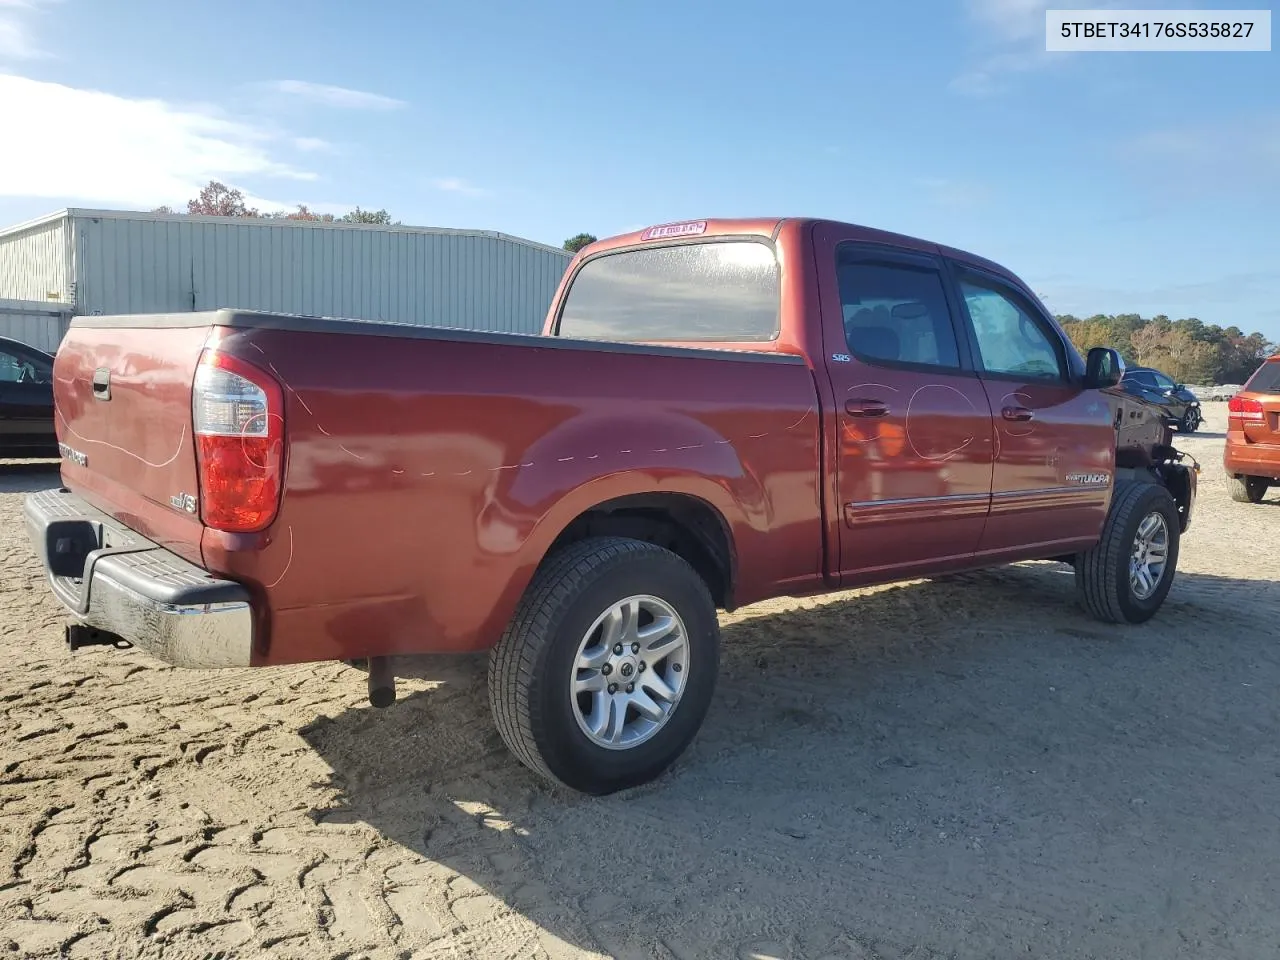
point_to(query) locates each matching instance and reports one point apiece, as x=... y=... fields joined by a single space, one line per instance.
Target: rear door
x=914 y=426
x=1054 y=440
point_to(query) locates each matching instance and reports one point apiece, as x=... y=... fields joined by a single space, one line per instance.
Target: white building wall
x=141 y=263
x=34 y=262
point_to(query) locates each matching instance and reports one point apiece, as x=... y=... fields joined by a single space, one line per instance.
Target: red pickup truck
x=716 y=413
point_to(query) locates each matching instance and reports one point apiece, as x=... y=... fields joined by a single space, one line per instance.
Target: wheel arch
x=687 y=524
x=1177 y=478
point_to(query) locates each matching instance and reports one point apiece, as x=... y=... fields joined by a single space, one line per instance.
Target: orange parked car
x=1252 y=454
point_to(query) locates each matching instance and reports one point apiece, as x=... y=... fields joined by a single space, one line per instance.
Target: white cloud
x=330 y=96
x=1011 y=39
x=956 y=194
x=1010 y=20
x=458 y=185
x=1231 y=159
x=128 y=151
x=312 y=144
x=1222 y=300
x=16 y=41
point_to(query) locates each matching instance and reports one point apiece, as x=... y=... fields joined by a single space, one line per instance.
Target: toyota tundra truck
x=716 y=412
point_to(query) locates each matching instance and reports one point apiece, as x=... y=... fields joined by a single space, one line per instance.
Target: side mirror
x=1103 y=368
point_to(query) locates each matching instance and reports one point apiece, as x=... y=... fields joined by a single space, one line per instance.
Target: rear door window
x=716 y=291
x=896 y=314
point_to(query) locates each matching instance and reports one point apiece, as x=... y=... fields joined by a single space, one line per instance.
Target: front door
x=1054 y=459
x=914 y=427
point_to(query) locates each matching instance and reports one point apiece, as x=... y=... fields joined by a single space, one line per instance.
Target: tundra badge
x=75 y=456
x=1089 y=479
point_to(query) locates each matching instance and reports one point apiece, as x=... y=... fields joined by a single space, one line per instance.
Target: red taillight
x=238 y=413
x=1245 y=408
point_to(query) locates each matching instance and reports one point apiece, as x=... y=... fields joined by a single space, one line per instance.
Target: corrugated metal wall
x=149 y=264
x=33 y=262
x=33 y=322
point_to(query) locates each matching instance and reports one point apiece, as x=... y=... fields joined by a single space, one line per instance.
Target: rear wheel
x=606 y=671
x=1128 y=573
x=1248 y=489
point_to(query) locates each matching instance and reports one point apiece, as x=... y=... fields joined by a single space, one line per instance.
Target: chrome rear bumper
x=116 y=581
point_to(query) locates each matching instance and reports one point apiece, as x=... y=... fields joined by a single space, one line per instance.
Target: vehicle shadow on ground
x=25 y=476
x=964 y=761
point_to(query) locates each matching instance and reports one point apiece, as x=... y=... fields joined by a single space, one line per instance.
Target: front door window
x=1012 y=341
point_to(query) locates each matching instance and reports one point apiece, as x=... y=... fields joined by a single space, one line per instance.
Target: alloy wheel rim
x=629 y=673
x=1149 y=557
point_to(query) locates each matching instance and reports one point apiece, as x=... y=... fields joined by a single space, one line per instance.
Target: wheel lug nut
x=617 y=649
x=676 y=667
x=631 y=688
x=613 y=688
x=641 y=668
x=635 y=648
x=606 y=669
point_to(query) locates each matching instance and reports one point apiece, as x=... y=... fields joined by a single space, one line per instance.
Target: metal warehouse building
x=107 y=261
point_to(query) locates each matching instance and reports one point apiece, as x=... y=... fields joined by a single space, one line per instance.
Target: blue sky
x=1111 y=182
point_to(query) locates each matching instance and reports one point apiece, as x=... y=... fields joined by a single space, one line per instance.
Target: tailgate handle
x=102 y=384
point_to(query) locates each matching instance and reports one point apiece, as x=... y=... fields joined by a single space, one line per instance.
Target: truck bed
x=427 y=470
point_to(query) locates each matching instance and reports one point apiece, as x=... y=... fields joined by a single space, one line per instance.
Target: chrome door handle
x=866 y=408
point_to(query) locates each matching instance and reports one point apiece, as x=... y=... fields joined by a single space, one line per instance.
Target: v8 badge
x=183 y=501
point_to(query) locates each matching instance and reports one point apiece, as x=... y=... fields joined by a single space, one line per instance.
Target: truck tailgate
x=123 y=416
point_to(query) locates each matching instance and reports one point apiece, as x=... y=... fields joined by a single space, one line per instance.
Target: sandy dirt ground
x=959 y=768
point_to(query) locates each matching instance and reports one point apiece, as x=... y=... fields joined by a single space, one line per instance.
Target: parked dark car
x=26 y=401
x=1179 y=403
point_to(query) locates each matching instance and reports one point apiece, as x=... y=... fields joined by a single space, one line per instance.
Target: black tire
x=1248 y=489
x=530 y=669
x=1190 y=422
x=1102 y=573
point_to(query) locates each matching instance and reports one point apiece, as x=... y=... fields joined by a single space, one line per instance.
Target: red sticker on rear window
x=667 y=231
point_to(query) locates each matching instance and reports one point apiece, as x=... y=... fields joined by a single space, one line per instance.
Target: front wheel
x=1190 y=422
x=1125 y=577
x=606 y=671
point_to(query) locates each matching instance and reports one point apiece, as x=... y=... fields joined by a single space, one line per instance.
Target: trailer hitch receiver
x=81 y=635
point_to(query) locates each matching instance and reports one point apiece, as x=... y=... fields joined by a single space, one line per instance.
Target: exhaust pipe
x=382 y=682
x=81 y=635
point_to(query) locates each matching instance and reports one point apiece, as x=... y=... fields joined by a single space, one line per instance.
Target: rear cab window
x=711 y=291
x=1266 y=379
